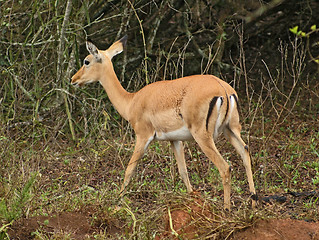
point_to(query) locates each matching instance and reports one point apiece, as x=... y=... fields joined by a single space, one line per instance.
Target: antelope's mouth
x=81 y=83
x=77 y=84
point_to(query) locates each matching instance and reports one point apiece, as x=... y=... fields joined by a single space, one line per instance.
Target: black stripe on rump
x=227 y=108
x=236 y=100
x=210 y=110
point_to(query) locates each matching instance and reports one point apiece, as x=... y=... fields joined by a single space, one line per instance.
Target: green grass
x=83 y=175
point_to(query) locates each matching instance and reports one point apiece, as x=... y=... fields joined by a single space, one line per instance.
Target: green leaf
x=313 y=27
x=294 y=30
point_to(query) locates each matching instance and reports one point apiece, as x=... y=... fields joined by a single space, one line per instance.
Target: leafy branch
x=299 y=33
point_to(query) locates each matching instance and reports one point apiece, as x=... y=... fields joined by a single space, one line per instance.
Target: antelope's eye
x=86 y=62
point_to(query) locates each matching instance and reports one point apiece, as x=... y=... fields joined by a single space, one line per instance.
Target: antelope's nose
x=73 y=81
x=77 y=76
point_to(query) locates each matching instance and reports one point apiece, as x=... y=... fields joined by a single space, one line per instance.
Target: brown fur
x=172 y=110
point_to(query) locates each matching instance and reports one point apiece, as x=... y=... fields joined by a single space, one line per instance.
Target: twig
x=62 y=39
x=168 y=57
x=59 y=64
x=212 y=59
x=190 y=36
x=154 y=29
x=29 y=44
x=144 y=42
x=262 y=10
x=15 y=77
x=243 y=62
x=171 y=223
x=123 y=27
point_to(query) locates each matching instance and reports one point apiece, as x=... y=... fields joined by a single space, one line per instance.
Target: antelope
x=197 y=107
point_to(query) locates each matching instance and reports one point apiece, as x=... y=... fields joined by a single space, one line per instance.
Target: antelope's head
x=97 y=62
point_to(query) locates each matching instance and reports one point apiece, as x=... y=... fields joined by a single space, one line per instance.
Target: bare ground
x=190 y=220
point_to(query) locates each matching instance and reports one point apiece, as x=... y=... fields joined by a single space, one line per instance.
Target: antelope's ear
x=93 y=51
x=116 y=47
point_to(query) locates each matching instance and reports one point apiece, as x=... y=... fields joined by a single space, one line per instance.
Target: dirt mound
x=185 y=218
x=277 y=229
x=77 y=225
x=181 y=220
x=72 y=223
x=192 y=219
x=272 y=229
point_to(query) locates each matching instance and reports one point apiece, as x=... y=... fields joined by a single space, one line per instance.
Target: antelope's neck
x=119 y=97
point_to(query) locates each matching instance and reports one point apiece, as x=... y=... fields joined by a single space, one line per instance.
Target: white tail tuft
x=218 y=123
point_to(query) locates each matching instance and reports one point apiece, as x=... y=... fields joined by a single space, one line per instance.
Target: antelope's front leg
x=178 y=150
x=140 y=147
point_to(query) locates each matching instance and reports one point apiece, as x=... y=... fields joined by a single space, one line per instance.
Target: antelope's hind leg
x=232 y=133
x=206 y=143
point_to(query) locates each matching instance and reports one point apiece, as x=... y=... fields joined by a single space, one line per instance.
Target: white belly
x=182 y=134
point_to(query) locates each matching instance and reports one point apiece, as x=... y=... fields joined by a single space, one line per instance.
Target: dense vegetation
x=64 y=149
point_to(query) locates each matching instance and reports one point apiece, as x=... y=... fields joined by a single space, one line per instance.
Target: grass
x=75 y=177
x=88 y=174
x=12 y=210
